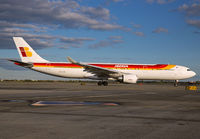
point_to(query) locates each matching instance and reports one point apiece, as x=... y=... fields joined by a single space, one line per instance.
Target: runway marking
x=72 y=103
x=61 y=103
x=14 y=100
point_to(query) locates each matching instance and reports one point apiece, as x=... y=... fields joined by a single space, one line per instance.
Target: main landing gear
x=176 y=83
x=105 y=83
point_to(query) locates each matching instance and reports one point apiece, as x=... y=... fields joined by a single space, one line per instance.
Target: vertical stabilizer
x=26 y=53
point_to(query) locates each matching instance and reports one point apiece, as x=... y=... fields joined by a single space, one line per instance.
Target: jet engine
x=129 y=78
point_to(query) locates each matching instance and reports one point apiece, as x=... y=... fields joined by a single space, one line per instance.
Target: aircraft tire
x=99 y=83
x=105 y=83
x=176 y=83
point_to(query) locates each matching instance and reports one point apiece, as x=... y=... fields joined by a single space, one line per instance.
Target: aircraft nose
x=193 y=73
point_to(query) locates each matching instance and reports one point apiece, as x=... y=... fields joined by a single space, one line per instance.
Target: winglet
x=71 y=60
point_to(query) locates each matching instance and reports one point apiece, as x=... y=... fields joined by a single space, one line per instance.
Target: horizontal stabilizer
x=23 y=64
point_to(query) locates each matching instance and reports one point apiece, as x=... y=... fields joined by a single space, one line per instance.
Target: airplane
x=124 y=73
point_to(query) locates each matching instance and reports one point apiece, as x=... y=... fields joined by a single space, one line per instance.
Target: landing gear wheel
x=176 y=83
x=99 y=83
x=105 y=83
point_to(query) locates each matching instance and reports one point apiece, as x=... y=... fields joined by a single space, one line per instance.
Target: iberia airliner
x=125 y=73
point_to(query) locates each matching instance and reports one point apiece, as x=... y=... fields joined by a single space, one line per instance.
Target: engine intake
x=129 y=78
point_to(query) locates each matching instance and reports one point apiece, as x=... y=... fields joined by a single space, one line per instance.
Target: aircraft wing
x=99 y=71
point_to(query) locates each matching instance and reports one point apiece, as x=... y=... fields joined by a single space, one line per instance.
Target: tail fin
x=26 y=53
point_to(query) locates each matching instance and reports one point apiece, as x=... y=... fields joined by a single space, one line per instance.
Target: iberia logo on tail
x=25 y=51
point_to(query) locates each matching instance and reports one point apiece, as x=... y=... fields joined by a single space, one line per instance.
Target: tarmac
x=148 y=111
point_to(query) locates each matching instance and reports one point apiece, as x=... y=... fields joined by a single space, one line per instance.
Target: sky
x=121 y=31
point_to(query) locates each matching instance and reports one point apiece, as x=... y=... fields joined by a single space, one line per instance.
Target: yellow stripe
x=165 y=68
x=168 y=67
x=54 y=66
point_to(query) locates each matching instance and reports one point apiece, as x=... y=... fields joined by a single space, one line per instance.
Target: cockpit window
x=188 y=70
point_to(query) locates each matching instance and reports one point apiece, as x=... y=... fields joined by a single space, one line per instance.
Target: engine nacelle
x=129 y=78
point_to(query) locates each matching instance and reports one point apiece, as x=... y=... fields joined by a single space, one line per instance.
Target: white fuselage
x=176 y=73
x=127 y=73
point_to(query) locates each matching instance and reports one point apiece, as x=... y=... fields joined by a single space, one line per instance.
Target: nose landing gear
x=105 y=83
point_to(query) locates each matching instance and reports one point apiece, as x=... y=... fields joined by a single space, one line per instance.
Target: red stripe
x=119 y=66
x=56 y=64
x=22 y=51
